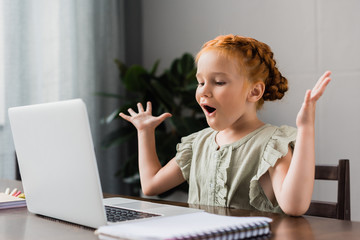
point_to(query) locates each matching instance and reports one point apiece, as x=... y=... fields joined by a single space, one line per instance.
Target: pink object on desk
x=17 y=194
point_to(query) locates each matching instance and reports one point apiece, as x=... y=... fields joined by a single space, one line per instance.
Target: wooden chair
x=341 y=208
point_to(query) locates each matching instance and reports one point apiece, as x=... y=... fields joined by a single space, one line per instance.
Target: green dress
x=229 y=176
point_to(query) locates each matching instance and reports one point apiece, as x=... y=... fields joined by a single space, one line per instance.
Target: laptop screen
x=57 y=161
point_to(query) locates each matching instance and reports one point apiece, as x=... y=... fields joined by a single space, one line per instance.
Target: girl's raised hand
x=144 y=118
x=306 y=115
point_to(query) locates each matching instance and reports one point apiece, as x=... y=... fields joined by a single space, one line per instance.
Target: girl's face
x=223 y=91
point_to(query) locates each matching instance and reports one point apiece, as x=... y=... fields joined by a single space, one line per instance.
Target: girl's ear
x=256 y=92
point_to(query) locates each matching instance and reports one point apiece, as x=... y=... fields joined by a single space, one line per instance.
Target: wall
x=307 y=37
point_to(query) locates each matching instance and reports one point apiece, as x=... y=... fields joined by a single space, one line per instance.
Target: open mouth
x=209 y=109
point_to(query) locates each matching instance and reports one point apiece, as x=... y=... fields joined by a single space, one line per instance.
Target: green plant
x=172 y=91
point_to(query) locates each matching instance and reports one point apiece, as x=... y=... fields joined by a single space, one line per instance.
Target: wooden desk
x=18 y=223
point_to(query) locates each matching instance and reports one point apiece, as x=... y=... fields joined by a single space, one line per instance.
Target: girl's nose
x=205 y=90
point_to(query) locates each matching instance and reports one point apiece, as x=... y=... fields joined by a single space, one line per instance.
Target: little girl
x=238 y=161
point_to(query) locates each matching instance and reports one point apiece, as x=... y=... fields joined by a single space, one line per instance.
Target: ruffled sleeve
x=277 y=147
x=184 y=154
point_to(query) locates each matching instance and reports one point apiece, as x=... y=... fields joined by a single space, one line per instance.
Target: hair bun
x=275 y=87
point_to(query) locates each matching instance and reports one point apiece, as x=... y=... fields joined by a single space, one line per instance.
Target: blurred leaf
x=155 y=67
x=122 y=67
x=119 y=136
x=129 y=167
x=186 y=64
x=175 y=67
x=190 y=78
x=166 y=145
x=134 y=79
x=187 y=125
x=191 y=87
x=163 y=94
x=111 y=117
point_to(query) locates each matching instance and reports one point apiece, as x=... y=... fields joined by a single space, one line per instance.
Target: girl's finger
x=131 y=112
x=307 y=96
x=321 y=88
x=321 y=79
x=164 y=116
x=140 y=107
x=149 y=107
x=124 y=116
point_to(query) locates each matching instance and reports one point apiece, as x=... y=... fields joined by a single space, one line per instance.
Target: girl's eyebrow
x=214 y=74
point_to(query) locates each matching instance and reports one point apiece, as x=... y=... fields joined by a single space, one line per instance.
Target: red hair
x=256 y=58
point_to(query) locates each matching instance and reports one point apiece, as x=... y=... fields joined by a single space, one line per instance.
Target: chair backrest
x=341 y=208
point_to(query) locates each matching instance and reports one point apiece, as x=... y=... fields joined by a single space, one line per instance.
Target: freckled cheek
x=227 y=100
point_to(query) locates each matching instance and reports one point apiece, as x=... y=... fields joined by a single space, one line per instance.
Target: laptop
x=59 y=170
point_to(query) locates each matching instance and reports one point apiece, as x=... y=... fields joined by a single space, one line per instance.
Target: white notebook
x=8 y=201
x=190 y=226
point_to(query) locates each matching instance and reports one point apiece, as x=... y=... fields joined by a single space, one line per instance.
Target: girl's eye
x=201 y=84
x=220 y=83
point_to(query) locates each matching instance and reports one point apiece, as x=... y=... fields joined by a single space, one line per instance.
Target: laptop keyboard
x=115 y=214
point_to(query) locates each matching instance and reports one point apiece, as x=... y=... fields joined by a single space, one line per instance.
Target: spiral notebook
x=8 y=201
x=200 y=225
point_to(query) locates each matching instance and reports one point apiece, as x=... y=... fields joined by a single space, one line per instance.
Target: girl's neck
x=237 y=132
